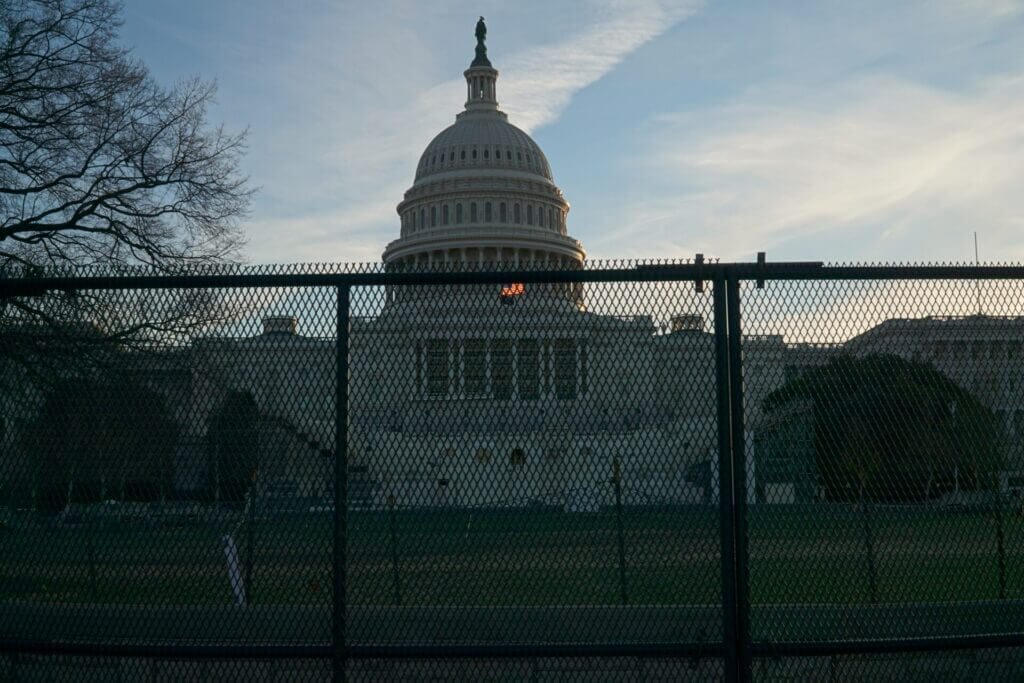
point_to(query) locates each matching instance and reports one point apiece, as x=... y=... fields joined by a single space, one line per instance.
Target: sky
x=812 y=130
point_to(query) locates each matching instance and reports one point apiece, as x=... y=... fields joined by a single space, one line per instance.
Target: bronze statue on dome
x=481 y=49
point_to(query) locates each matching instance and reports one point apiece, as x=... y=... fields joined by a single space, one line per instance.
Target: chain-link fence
x=639 y=471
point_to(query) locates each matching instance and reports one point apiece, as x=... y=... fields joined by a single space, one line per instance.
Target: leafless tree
x=103 y=170
x=100 y=165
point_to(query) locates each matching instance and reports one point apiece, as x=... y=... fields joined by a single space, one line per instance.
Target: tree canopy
x=101 y=438
x=99 y=164
x=891 y=429
x=102 y=169
x=233 y=442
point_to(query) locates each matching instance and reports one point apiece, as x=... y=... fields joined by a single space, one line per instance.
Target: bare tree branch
x=98 y=163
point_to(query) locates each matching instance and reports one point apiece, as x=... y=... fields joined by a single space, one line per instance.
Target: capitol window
x=565 y=376
x=423 y=218
x=501 y=369
x=444 y=214
x=474 y=367
x=540 y=216
x=528 y=361
x=433 y=216
x=503 y=212
x=458 y=213
x=487 y=212
x=438 y=368
x=487 y=154
x=517 y=213
x=474 y=152
x=472 y=212
x=529 y=214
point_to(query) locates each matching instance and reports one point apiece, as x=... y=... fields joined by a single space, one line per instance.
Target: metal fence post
x=340 y=535
x=621 y=535
x=250 y=541
x=739 y=482
x=725 y=478
x=396 y=576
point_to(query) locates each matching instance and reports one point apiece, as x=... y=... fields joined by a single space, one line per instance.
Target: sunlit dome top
x=482 y=140
x=484 y=192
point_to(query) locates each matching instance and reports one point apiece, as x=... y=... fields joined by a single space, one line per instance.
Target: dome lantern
x=483 y=193
x=481 y=77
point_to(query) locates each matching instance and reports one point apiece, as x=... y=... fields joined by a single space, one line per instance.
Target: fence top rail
x=622 y=272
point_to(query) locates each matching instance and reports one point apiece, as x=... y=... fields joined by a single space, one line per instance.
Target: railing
x=777 y=525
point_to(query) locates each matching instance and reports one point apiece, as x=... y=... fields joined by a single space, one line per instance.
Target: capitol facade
x=517 y=394
x=482 y=395
x=534 y=394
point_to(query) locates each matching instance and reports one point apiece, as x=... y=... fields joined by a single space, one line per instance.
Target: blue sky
x=824 y=130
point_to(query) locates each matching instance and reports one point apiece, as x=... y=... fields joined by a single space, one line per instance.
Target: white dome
x=482 y=140
x=483 y=193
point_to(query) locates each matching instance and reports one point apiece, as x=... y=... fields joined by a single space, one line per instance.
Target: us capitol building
x=519 y=394
x=471 y=395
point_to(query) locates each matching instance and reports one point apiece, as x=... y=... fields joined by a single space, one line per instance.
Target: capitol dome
x=483 y=194
x=482 y=143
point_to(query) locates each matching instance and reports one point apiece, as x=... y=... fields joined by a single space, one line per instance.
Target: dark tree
x=98 y=163
x=890 y=429
x=233 y=443
x=103 y=170
x=99 y=439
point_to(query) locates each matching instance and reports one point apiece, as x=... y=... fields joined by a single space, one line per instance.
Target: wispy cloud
x=541 y=81
x=896 y=160
x=356 y=144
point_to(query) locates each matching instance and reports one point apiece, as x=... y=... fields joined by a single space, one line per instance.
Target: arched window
x=529 y=214
x=503 y=212
x=472 y=212
x=519 y=156
x=487 y=154
x=551 y=219
x=433 y=216
x=540 y=216
x=444 y=214
x=517 y=214
x=462 y=155
x=487 y=212
x=423 y=218
x=474 y=152
x=458 y=212
x=451 y=157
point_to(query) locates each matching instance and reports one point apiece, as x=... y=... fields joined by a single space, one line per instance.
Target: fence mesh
x=884 y=423
x=524 y=464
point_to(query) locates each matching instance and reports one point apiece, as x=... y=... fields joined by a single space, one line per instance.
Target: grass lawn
x=525 y=557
